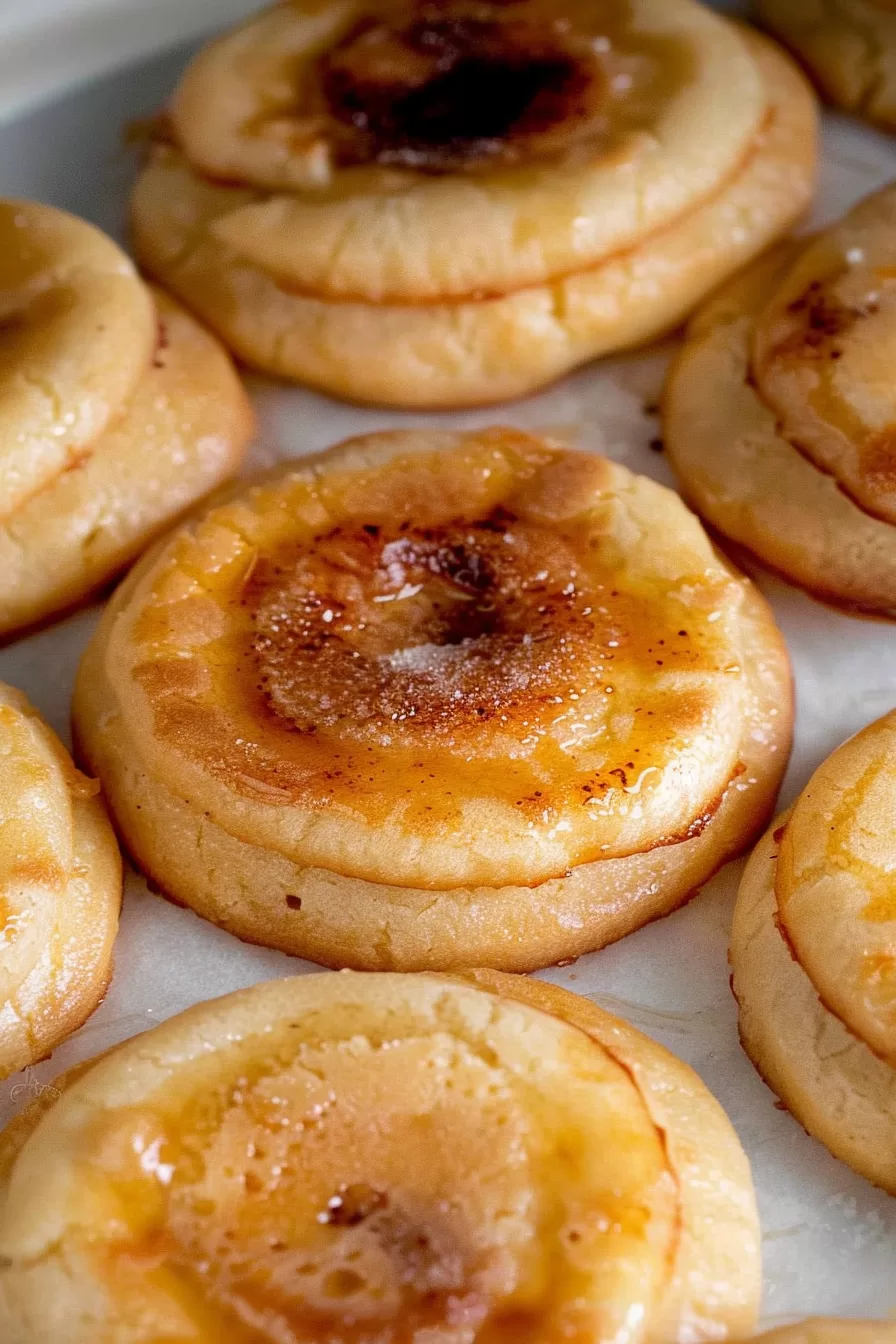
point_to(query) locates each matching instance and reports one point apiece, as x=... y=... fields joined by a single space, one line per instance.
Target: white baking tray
x=830 y=1239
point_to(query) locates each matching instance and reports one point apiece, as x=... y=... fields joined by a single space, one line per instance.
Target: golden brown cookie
x=793 y=455
x=380 y=1156
x=348 y=203
x=434 y=700
x=60 y=889
x=117 y=412
x=848 y=46
x=814 y=955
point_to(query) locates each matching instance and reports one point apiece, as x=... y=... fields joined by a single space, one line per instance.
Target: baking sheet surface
x=830 y=1239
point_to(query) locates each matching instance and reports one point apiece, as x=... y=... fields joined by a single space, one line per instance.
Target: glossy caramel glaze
x=249 y=1205
x=348 y=1159
x=398 y=643
x=360 y=1173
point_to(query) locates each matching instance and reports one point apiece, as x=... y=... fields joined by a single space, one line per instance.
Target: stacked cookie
x=60 y=889
x=432 y=700
x=793 y=456
x=452 y=203
x=849 y=47
x=812 y=953
x=118 y=412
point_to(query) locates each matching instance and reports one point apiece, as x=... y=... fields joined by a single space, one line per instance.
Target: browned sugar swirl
x=458 y=86
x=812 y=335
x=421 y=629
x=817 y=319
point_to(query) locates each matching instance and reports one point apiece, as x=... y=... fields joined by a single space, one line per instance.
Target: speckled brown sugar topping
x=409 y=631
x=408 y=638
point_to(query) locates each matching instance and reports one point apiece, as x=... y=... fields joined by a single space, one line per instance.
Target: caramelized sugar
x=404 y=632
x=823 y=363
x=372 y=1163
x=448 y=91
x=453 y=85
x=443 y=628
x=357 y=1192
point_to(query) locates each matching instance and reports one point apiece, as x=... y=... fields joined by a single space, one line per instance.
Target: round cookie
x=848 y=46
x=437 y=700
x=794 y=456
x=689 y=147
x=119 y=412
x=223 y=1171
x=78 y=330
x=813 y=951
x=60 y=889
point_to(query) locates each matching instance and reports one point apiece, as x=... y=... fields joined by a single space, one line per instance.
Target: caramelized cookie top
x=457 y=85
x=506 y=656
x=824 y=349
x=348 y=1158
x=412 y=151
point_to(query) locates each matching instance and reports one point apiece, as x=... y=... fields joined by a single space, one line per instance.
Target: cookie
x=334 y=1154
x=298 y=211
x=812 y=955
x=793 y=455
x=119 y=412
x=434 y=700
x=848 y=46
x=60 y=889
